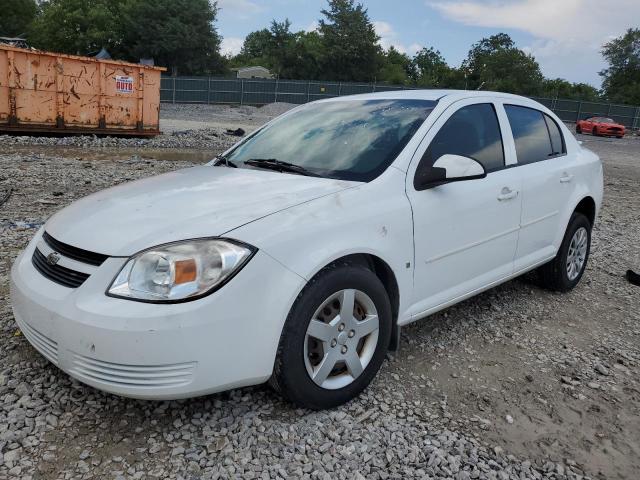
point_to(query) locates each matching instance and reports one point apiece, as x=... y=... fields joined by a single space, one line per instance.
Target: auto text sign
x=124 y=84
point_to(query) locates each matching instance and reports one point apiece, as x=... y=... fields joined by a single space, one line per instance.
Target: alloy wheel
x=341 y=339
x=577 y=253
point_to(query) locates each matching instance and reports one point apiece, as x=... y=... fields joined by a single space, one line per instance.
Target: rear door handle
x=566 y=178
x=507 y=194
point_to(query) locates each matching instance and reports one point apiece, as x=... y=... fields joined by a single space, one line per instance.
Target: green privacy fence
x=258 y=91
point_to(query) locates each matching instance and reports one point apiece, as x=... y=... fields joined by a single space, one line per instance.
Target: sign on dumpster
x=124 y=84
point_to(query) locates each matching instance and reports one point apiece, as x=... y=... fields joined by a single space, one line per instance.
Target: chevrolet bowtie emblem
x=53 y=258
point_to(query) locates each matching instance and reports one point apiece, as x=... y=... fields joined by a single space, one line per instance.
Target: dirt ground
x=551 y=380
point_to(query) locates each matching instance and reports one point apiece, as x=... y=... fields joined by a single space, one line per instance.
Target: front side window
x=474 y=132
x=537 y=136
x=344 y=139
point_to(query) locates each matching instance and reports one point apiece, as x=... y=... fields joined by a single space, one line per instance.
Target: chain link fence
x=258 y=91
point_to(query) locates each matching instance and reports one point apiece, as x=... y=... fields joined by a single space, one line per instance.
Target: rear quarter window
x=557 y=140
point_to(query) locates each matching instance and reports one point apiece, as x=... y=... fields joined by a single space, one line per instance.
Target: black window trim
x=495 y=112
x=550 y=157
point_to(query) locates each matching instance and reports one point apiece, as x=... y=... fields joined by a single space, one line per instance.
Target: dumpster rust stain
x=73 y=92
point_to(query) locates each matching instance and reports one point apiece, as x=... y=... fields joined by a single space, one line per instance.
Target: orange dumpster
x=49 y=92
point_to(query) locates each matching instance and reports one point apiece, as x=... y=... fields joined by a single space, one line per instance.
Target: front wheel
x=595 y=132
x=334 y=339
x=565 y=271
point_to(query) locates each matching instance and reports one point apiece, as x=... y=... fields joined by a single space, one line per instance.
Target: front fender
x=374 y=218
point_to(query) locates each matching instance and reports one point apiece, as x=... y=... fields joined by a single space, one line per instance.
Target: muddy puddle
x=119 y=153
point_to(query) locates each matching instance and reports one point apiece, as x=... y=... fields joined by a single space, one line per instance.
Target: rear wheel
x=595 y=132
x=578 y=128
x=335 y=338
x=565 y=271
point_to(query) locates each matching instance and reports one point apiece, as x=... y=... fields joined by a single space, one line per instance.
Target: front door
x=465 y=233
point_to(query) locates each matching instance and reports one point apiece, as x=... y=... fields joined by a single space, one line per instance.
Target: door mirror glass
x=451 y=168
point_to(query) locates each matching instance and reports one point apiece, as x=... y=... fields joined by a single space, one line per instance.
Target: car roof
x=430 y=94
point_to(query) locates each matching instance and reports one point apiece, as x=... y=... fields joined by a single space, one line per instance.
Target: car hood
x=191 y=203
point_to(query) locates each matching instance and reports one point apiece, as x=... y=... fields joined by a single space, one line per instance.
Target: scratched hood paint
x=191 y=203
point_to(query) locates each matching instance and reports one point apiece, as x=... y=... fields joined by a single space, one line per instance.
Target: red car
x=600 y=126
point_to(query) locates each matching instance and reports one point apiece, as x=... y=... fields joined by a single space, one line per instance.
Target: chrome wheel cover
x=577 y=254
x=341 y=339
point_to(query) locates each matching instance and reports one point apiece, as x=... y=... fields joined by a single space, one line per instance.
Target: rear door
x=465 y=233
x=547 y=175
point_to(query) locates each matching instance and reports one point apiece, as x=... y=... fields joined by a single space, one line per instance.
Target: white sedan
x=297 y=255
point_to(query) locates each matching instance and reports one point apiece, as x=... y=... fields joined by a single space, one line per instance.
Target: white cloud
x=312 y=27
x=231 y=45
x=569 y=33
x=389 y=38
x=240 y=8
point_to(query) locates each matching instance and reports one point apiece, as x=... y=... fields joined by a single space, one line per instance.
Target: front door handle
x=507 y=194
x=566 y=178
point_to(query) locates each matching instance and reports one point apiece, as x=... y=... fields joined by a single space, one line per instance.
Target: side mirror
x=450 y=168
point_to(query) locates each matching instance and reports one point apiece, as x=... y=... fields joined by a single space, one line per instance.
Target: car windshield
x=602 y=120
x=343 y=139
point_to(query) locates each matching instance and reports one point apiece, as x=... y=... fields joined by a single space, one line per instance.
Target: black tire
x=290 y=377
x=594 y=132
x=553 y=275
x=578 y=129
x=618 y=136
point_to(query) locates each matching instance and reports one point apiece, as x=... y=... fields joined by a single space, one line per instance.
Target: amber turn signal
x=186 y=271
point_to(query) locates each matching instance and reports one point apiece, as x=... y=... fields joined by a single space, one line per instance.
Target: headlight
x=180 y=271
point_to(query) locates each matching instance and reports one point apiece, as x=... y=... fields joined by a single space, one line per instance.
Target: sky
x=565 y=36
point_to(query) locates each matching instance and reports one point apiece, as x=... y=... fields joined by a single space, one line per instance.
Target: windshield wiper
x=220 y=160
x=280 y=166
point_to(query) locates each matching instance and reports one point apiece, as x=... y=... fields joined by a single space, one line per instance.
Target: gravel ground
x=516 y=383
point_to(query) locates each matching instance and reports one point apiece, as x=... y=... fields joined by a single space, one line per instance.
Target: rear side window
x=474 y=132
x=537 y=136
x=557 y=141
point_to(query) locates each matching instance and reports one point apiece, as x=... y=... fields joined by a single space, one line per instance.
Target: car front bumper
x=225 y=340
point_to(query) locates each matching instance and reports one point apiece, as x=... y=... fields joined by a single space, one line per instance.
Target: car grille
x=139 y=376
x=58 y=273
x=74 y=253
x=44 y=345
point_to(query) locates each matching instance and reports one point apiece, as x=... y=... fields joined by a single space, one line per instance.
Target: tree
x=287 y=54
x=349 y=43
x=77 y=26
x=621 y=80
x=256 y=44
x=16 y=17
x=430 y=69
x=396 y=67
x=178 y=34
x=560 y=88
x=495 y=63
